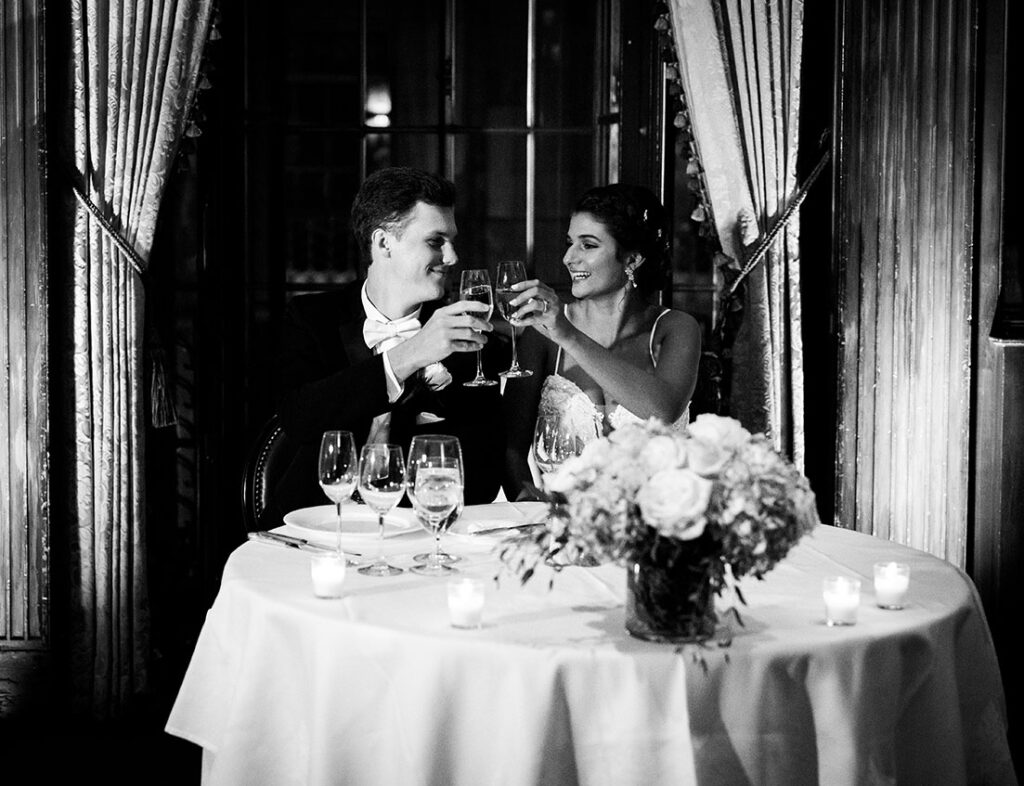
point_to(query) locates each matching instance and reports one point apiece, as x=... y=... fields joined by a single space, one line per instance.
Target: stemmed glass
x=381 y=485
x=433 y=481
x=556 y=438
x=510 y=273
x=338 y=471
x=476 y=285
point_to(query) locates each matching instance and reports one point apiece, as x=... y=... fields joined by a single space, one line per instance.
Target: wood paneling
x=24 y=525
x=905 y=224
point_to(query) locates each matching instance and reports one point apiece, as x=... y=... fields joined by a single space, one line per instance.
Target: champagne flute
x=433 y=481
x=476 y=285
x=557 y=438
x=510 y=273
x=381 y=485
x=338 y=471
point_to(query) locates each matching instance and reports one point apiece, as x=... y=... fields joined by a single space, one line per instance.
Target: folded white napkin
x=502 y=515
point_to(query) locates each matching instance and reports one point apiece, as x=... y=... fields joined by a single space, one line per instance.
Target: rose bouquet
x=681 y=511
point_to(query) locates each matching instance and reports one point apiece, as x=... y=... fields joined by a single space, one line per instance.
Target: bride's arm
x=664 y=395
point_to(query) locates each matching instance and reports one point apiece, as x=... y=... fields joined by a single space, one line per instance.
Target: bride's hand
x=538 y=306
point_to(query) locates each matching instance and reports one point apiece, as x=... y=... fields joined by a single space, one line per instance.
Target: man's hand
x=454 y=328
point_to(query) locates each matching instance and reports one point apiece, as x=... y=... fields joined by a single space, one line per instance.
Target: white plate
x=357 y=521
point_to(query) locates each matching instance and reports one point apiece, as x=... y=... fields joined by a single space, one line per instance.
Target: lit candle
x=891 y=582
x=328 y=574
x=465 y=602
x=842 y=597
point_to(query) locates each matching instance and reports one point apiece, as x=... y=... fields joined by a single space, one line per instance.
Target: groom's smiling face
x=420 y=251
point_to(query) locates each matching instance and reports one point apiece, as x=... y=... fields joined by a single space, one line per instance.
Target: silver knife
x=296 y=543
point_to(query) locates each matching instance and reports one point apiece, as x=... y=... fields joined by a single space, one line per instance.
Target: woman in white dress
x=611 y=354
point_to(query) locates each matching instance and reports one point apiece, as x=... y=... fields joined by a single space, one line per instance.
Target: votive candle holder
x=892 y=580
x=466 y=602
x=328 y=574
x=842 y=597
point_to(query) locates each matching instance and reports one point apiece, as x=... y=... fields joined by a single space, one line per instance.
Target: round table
x=377 y=687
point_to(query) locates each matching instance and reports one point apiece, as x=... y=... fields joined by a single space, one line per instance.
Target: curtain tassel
x=162 y=411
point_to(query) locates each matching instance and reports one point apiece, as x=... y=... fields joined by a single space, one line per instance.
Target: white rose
x=596 y=452
x=661 y=452
x=673 y=502
x=630 y=438
x=706 y=458
x=717 y=430
x=566 y=477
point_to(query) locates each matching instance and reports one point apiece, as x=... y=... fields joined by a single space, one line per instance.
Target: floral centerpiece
x=681 y=511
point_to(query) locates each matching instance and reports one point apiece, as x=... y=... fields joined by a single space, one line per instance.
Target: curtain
x=739 y=64
x=134 y=69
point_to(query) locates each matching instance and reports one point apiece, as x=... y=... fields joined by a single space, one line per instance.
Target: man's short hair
x=388 y=195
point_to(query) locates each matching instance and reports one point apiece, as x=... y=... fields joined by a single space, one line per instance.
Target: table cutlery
x=494 y=526
x=296 y=543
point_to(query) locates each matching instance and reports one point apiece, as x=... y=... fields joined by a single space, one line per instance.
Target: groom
x=383 y=358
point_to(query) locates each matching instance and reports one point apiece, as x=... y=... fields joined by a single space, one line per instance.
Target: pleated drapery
x=135 y=66
x=908 y=266
x=739 y=63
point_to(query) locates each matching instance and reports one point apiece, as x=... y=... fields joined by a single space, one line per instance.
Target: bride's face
x=592 y=258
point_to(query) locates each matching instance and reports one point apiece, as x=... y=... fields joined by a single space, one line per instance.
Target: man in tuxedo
x=384 y=358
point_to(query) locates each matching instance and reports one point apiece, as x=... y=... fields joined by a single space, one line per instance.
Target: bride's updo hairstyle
x=638 y=222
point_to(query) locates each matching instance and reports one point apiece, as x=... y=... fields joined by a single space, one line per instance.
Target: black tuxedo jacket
x=330 y=379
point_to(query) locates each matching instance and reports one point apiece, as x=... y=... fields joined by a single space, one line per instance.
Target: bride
x=611 y=356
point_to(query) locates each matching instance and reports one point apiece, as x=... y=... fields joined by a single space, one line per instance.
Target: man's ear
x=381 y=241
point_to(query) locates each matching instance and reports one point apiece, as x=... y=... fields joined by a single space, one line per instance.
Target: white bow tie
x=382 y=336
x=390 y=334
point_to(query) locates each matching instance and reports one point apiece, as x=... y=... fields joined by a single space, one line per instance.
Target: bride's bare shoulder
x=677 y=323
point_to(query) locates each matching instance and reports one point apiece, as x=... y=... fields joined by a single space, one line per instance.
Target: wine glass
x=338 y=471
x=510 y=273
x=556 y=438
x=476 y=285
x=381 y=485
x=433 y=481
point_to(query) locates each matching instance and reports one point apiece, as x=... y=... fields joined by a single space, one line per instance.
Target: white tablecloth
x=377 y=688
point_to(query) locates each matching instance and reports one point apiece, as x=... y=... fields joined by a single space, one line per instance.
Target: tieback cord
x=162 y=412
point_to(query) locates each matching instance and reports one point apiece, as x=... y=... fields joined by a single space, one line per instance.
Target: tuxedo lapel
x=351 y=333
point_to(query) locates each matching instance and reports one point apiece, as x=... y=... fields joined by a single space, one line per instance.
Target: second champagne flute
x=381 y=485
x=337 y=472
x=510 y=273
x=476 y=285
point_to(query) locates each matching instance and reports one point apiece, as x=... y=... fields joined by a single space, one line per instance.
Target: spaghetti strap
x=654 y=327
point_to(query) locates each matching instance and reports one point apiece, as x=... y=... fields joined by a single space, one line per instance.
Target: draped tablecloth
x=377 y=688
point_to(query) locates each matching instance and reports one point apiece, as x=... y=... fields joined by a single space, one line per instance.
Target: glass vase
x=669 y=602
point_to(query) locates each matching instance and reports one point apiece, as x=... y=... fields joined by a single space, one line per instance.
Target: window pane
x=490 y=72
x=568 y=74
x=565 y=169
x=321 y=174
x=410 y=149
x=490 y=174
x=404 y=59
x=321 y=62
